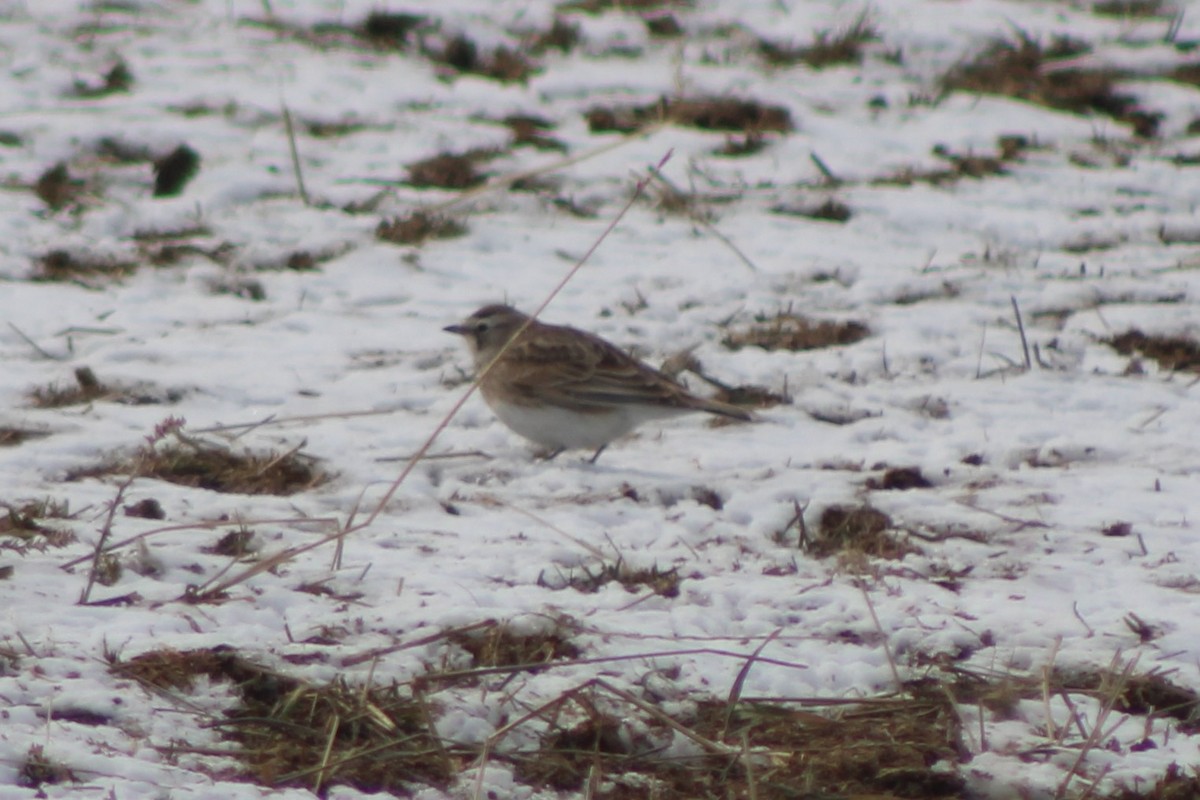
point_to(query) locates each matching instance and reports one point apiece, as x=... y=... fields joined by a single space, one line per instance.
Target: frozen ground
x=1057 y=530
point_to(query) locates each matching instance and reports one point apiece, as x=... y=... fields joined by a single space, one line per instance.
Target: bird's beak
x=459 y=328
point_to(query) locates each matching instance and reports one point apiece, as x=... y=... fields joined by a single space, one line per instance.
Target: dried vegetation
x=788 y=331
x=188 y=462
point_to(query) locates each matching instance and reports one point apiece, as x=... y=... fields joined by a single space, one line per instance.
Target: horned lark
x=563 y=388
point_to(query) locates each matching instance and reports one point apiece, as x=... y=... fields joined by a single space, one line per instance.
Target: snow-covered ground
x=1062 y=497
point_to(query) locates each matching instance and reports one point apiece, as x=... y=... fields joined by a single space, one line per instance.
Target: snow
x=349 y=362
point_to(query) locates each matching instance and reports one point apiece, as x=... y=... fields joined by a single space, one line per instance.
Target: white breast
x=556 y=428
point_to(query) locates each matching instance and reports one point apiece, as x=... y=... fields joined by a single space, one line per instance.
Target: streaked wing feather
x=584 y=370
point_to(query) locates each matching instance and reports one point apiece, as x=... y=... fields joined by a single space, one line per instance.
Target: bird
x=563 y=388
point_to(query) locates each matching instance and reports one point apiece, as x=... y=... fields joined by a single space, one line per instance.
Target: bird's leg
x=596 y=454
x=549 y=455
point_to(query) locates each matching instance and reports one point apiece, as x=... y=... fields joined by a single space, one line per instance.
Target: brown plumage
x=563 y=388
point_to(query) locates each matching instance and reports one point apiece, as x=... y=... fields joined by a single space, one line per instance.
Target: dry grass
x=205 y=466
x=529 y=130
x=449 y=170
x=418 y=227
x=461 y=54
x=635 y=6
x=79 y=267
x=22 y=528
x=58 y=189
x=899 y=479
x=757 y=751
x=1009 y=148
x=828 y=48
x=788 y=331
x=39 y=769
x=664 y=583
x=89 y=389
x=723 y=114
x=828 y=210
x=1026 y=69
x=117 y=80
x=11 y=437
x=1134 y=9
x=1173 y=785
x=857 y=531
x=500 y=645
x=289 y=733
x=1171 y=352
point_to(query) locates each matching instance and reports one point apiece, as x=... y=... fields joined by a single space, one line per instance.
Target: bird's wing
x=582 y=370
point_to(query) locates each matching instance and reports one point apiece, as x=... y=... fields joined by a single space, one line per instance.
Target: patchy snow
x=1028 y=468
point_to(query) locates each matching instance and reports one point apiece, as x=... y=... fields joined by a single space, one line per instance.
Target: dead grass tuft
x=11 y=437
x=89 y=389
x=636 y=6
x=417 y=227
x=1133 y=9
x=744 y=145
x=78 y=267
x=205 y=466
x=1142 y=695
x=290 y=733
x=57 y=188
x=864 y=530
x=1171 y=352
x=449 y=170
x=726 y=114
x=900 y=479
x=888 y=748
x=561 y=35
x=501 y=645
x=461 y=54
x=1173 y=785
x=117 y=80
x=379 y=30
x=749 y=396
x=1187 y=73
x=530 y=130
x=1026 y=70
x=663 y=26
x=39 y=769
x=664 y=583
x=21 y=529
x=830 y=210
x=961 y=165
x=385 y=30
x=828 y=47
x=788 y=331
x=237 y=543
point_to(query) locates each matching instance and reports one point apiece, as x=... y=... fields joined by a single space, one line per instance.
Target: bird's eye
x=481 y=326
